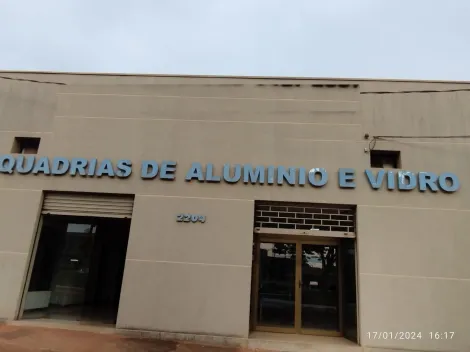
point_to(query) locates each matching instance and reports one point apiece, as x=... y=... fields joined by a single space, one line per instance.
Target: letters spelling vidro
x=229 y=173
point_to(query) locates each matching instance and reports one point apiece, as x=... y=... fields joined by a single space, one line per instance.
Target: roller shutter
x=77 y=204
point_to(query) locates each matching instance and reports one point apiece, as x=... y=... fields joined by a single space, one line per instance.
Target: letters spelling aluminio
x=229 y=173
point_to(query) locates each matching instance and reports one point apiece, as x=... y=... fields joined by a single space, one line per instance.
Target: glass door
x=277 y=285
x=319 y=291
x=297 y=287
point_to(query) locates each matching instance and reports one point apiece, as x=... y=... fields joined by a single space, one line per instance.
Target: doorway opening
x=304 y=285
x=77 y=269
x=304 y=269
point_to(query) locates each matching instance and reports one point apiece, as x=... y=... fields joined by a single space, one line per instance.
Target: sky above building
x=419 y=39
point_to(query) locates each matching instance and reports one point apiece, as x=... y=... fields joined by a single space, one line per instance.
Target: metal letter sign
x=190 y=218
x=347 y=178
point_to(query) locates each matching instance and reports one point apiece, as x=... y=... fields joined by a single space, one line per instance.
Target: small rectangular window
x=26 y=145
x=385 y=159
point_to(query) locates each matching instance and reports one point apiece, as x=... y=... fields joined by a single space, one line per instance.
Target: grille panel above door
x=86 y=204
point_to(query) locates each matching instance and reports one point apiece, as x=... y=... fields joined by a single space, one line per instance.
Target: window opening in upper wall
x=385 y=159
x=26 y=145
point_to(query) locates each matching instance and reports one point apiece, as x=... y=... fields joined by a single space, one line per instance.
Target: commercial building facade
x=226 y=205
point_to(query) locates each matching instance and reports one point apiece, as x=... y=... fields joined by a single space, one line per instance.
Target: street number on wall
x=190 y=218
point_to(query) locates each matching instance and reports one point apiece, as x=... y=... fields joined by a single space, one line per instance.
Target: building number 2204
x=190 y=218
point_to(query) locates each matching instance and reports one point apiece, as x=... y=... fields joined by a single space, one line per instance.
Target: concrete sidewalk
x=35 y=339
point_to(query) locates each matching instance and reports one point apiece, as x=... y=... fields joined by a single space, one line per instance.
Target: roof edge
x=233 y=77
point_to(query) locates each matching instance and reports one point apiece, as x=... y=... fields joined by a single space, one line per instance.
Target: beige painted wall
x=188 y=277
x=19 y=214
x=412 y=246
x=413 y=275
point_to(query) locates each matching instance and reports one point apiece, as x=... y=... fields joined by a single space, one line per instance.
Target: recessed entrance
x=77 y=270
x=304 y=269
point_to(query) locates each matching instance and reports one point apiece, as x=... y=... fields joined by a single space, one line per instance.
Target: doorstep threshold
x=65 y=325
x=298 y=342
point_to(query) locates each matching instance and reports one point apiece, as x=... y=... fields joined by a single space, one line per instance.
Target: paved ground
x=35 y=339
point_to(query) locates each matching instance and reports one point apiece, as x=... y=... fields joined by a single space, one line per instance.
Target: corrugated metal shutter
x=100 y=205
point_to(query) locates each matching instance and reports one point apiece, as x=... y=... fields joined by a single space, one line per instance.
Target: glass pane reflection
x=276 y=303
x=319 y=287
x=80 y=228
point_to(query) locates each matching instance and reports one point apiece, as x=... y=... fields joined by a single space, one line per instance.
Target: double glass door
x=297 y=286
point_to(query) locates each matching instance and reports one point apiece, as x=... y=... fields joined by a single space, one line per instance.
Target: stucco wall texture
x=413 y=272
